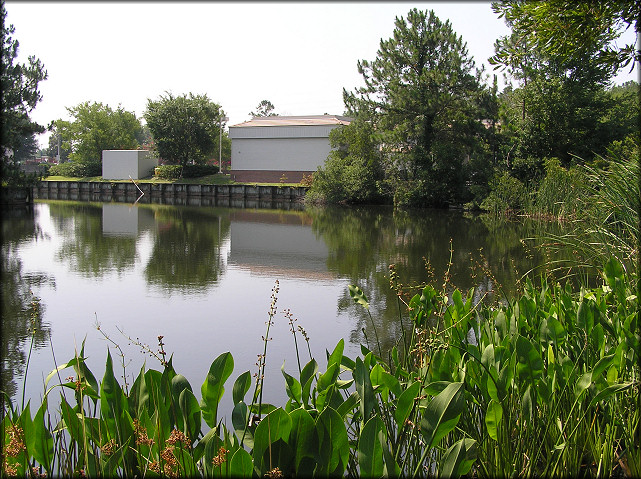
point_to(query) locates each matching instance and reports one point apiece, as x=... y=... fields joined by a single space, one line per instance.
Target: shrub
x=196 y=171
x=172 y=172
x=168 y=172
x=76 y=169
x=559 y=192
x=344 y=179
x=507 y=195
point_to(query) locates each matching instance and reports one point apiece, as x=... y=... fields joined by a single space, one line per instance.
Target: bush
x=172 y=172
x=507 y=195
x=348 y=179
x=76 y=169
x=168 y=172
x=196 y=171
x=560 y=190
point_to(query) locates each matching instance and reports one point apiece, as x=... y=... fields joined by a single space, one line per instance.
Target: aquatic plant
x=545 y=384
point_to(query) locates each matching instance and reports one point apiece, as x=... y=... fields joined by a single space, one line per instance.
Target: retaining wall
x=170 y=193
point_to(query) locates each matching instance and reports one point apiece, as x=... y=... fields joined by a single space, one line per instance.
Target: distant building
x=266 y=149
x=124 y=164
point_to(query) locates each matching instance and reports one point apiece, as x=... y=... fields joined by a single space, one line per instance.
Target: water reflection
x=125 y=220
x=186 y=253
x=278 y=244
x=201 y=275
x=18 y=324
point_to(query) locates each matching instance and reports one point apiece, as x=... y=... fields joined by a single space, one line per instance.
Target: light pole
x=220 y=143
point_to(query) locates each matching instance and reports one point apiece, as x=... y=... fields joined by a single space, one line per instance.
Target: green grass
x=204 y=180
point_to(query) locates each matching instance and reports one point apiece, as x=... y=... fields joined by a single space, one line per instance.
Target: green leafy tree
x=353 y=168
x=96 y=127
x=184 y=128
x=264 y=108
x=52 y=148
x=20 y=95
x=558 y=108
x=623 y=115
x=574 y=33
x=422 y=94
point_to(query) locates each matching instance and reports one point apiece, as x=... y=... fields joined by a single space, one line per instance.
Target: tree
x=573 y=32
x=20 y=95
x=422 y=94
x=352 y=170
x=184 y=128
x=96 y=127
x=52 y=148
x=562 y=55
x=27 y=149
x=264 y=108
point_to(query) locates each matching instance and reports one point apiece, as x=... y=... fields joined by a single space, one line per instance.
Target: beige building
x=266 y=149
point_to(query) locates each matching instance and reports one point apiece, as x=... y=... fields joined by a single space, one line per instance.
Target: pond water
x=203 y=277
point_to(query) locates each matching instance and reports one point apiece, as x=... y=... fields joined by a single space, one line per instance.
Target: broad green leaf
x=111 y=401
x=370 y=449
x=276 y=425
x=191 y=413
x=582 y=384
x=358 y=296
x=337 y=354
x=241 y=386
x=609 y=391
x=458 y=459
x=493 y=417
x=603 y=364
x=364 y=389
x=214 y=386
x=442 y=414
x=348 y=405
x=613 y=274
x=306 y=378
x=405 y=403
x=304 y=440
x=71 y=420
x=380 y=377
x=179 y=383
x=328 y=378
x=292 y=386
x=333 y=443
x=240 y=420
x=530 y=364
x=241 y=464
x=42 y=449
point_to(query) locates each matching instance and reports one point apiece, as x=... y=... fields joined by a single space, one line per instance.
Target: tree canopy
x=20 y=95
x=264 y=108
x=422 y=94
x=95 y=127
x=184 y=128
x=572 y=33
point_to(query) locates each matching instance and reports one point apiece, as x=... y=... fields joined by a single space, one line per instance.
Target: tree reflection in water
x=18 y=323
x=487 y=255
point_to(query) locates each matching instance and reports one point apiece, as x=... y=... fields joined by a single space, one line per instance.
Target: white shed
x=265 y=149
x=121 y=164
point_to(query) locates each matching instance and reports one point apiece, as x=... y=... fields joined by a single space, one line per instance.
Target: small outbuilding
x=271 y=148
x=123 y=164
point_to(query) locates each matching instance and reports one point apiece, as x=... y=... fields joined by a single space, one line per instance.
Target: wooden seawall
x=169 y=193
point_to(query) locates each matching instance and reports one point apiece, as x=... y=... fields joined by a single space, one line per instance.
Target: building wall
x=287 y=154
x=121 y=164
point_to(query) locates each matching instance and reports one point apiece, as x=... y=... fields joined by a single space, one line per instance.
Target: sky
x=299 y=56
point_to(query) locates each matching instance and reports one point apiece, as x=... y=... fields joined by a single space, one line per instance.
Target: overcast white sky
x=299 y=56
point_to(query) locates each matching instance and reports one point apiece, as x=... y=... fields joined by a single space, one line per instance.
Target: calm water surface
x=202 y=277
